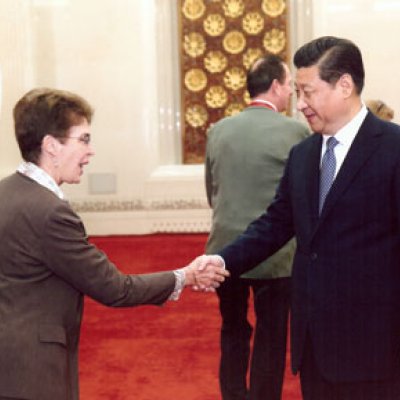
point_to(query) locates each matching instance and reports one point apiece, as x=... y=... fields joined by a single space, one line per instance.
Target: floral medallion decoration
x=214 y=24
x=194 y=44
x=220 y=41
x=233 y=8
x=196 y=115
x=274 y=41
x=251 y=55
x=195 y=79
x=273 y=8
x=193 y=9
x=216 y=97
x=235 y=78
x=215 y=61
x=234 y=42
x=233 y=109
x=253 y=23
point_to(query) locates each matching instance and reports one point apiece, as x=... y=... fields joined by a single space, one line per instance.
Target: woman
x=46 y=262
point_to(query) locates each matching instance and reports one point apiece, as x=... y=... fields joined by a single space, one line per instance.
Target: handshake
x=205 y=273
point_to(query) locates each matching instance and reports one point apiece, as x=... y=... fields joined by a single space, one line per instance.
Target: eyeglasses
x=85 y=138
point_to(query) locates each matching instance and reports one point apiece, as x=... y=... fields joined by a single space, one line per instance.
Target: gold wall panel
x=219 y=41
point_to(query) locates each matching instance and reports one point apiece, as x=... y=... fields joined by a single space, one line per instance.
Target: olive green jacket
x=245 y=158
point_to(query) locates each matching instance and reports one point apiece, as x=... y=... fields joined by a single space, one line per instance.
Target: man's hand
x=205 y=273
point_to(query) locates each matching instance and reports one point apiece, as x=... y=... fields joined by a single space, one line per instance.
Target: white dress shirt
x=345 y=136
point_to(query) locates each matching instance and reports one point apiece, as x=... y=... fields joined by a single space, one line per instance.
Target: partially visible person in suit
x=340 y=197
x=46 y=261
x=380 y=109
x=245 y=157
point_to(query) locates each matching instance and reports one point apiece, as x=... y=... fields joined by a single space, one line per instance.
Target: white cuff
x=180 y=280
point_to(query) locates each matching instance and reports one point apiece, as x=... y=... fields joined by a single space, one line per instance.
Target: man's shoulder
x=294 y=123
x=226 y=126
x=227 y=121
x=269 y=126
x=254 y=117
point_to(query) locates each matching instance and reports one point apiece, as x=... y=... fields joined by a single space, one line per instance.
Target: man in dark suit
x=345 y=325
x=46 y=261
x=246 y=153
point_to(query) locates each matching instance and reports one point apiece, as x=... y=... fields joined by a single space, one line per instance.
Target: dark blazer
x=46 y=266
x=346 y=272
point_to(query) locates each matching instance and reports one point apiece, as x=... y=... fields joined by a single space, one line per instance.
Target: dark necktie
x=327 y=173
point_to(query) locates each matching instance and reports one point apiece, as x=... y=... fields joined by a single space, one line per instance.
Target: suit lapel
x=362 y=148
x=312 y=178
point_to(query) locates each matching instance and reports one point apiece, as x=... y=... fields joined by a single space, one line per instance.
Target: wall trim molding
x=147 y=221
x=102 y=206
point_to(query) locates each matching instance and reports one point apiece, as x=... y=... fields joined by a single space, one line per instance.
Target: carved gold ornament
x=253 y=23
x=196 y=115
x=250 y=56
x=233 y=8
x=234 y=42
x=216 y=97
x=274 y=41
x=273 y=8
x=215 y=61
x=214 y=24
x=195 y=79
x=194 y=44
x=235 y=78
x=193 y=9
x=233 y=109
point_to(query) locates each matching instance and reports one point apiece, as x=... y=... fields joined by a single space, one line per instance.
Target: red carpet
x=148 y=352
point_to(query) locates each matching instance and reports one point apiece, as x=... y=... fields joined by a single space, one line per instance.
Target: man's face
x=322 y=104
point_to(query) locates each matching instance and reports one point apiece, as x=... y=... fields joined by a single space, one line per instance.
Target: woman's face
x=74 y=154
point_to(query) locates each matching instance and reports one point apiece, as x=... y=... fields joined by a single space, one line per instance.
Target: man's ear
x=50 y=145
x=275 y=86
x=346 y=83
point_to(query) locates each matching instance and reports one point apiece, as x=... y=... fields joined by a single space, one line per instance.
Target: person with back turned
x=245 y=157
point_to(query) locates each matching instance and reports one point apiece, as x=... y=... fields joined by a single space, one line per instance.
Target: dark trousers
x=271 y=305
x=315 y=387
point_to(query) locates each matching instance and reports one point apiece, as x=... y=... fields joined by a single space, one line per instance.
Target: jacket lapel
x=312 y=178
x=362 y=148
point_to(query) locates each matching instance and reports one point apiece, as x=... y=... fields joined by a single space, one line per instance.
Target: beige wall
x=121 y=56
x=374 y=26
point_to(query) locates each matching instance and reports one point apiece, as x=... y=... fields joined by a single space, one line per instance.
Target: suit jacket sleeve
x=70 y=256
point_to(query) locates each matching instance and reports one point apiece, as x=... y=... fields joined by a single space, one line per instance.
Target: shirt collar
x=347 y=133
x=263 y=103
x=40 y=176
